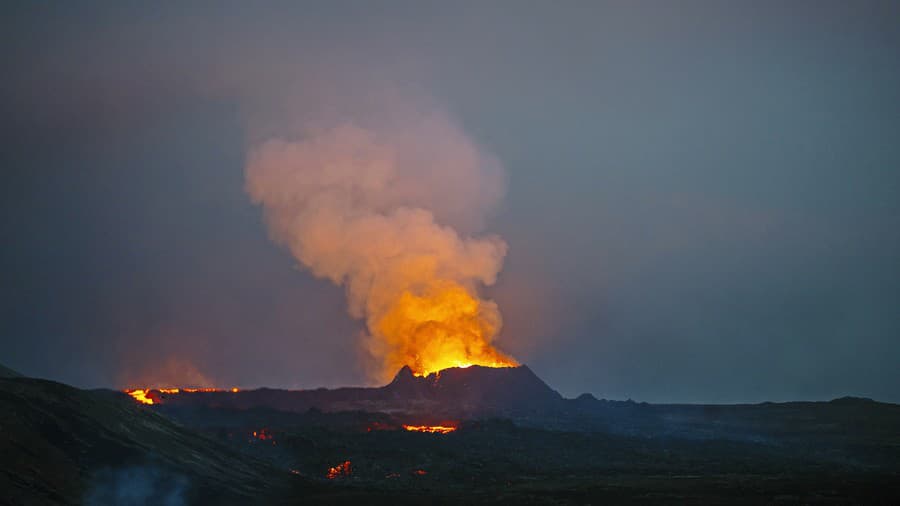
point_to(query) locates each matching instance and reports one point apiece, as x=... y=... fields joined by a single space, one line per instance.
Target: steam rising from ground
x=137 y=486
x=385 y=209
x=168 y=373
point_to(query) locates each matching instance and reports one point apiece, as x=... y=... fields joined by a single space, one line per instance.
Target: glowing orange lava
x=434 y=429
x=446 y=326
x=140 y=395
x=151 y=395
x=340 y=470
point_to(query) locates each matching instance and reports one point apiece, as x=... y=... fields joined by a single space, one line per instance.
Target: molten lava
x=140 y=395
x=341 y=470
x=152 y=395
x=445 y=327
x=434 y=429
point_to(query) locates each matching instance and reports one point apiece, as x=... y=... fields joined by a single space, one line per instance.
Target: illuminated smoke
x=388 y=210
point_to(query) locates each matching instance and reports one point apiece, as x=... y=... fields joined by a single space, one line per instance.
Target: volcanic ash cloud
x=388 y=213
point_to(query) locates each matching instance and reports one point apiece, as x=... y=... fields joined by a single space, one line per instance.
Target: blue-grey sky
x=702 y=198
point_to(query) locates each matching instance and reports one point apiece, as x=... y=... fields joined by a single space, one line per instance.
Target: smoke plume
x=390 y=210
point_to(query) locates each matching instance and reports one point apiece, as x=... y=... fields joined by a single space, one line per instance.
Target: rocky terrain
x=509 y=439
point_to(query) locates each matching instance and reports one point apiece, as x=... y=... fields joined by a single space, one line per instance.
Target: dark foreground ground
x=498 y=461
x=61 y=445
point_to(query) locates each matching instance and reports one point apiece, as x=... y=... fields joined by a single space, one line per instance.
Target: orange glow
x=434 y=429
x=420 y=472
x=380 y=426
x=140 y=395
x=340 y=470
x=445 y=327
x=146 y=395
x=263 y=435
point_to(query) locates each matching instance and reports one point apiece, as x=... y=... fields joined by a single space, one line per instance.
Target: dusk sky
x=701 y=200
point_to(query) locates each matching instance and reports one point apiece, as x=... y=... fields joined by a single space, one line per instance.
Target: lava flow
x=140 y=395
x=433 y=429
x=340 y=470
x=153 y=395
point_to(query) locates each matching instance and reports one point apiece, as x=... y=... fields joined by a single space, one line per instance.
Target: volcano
x=478 y=390
x=473 y=391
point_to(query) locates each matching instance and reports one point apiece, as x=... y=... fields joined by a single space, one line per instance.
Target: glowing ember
x=380 y=426
x=263 y=435
x=420 y=472
x=341 y=470
x=434 y=429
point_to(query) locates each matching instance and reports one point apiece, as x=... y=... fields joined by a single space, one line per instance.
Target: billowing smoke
x=390 y=210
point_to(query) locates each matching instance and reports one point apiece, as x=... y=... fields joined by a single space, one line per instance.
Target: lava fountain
x=433 y=429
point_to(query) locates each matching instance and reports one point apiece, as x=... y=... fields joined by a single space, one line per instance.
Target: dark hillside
x=62 y=445
x=6 y=372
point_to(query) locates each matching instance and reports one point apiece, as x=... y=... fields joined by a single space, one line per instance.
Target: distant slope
x=6 y=372
x=864 y=428
x=518 y=394
x=456 y=392
x=62 y=445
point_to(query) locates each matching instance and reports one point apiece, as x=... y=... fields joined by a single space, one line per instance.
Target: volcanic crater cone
x=458 y=392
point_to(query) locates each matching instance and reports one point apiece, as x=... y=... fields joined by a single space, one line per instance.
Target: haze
x=702 y=199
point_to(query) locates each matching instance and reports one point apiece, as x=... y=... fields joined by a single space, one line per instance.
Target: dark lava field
x=62 y=445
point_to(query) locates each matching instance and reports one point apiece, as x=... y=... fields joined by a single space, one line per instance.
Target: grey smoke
x=137 y=486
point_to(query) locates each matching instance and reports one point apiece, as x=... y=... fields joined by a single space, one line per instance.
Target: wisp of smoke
x=137 y=486
x=389 y=211
x=168 y=373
